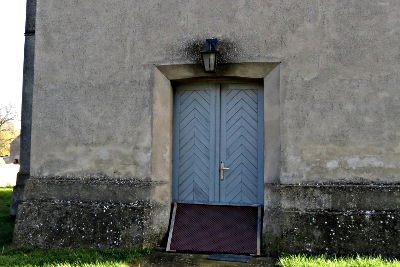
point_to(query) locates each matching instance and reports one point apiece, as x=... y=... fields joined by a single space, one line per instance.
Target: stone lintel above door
x=250 y=70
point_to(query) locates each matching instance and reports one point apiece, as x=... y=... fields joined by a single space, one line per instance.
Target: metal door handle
x=222 y=170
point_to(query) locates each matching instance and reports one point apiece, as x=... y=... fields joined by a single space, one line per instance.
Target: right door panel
x=242 y=142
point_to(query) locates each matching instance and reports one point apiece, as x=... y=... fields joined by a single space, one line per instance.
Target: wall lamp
x=209 y=55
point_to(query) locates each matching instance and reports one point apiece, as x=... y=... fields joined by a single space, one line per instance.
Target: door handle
x=222 y=170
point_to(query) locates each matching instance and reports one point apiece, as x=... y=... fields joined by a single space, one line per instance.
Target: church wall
x=93 y=105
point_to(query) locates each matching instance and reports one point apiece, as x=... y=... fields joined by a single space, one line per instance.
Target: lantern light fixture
x=209 y=55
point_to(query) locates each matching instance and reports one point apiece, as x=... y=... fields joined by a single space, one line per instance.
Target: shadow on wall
x=189 y=49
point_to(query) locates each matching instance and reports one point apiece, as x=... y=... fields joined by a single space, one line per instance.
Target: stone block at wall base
x=332 y=233
x=17 y=197
x=77 y=224
x=333 y=220
x=92 y=212
x=18 y=192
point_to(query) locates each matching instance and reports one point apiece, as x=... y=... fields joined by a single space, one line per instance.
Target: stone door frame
x=162 y=123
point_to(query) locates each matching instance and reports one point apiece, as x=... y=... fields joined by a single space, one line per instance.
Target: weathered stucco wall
x=339 y=76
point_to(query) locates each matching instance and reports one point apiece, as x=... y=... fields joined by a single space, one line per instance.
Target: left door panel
x=195 y=169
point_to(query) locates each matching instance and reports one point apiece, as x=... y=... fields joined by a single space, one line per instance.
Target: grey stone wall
x=15 y=148
x=339 y=104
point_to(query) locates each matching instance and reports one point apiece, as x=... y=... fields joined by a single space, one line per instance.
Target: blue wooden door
x=216 y=123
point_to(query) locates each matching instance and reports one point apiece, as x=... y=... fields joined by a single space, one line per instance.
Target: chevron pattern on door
x=195 y=140
x=213 y=123
x=240 y=144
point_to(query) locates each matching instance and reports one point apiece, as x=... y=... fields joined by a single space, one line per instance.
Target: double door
x=218 y=143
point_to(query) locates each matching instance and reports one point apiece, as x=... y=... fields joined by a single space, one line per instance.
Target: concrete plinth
x=332 y=219
x=91 y=212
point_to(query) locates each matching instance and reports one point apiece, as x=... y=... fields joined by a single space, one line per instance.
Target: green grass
x=323 y=261
x=6 y=221
x=70 y=257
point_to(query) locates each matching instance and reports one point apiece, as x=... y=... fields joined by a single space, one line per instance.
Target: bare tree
x=7 y=115
x=7 y=129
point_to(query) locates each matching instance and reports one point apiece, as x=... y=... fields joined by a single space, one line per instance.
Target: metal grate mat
x=215 y=228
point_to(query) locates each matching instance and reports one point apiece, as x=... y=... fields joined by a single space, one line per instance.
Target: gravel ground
x=8 y=174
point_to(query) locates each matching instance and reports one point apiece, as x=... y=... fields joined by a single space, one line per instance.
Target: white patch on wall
x=296 y=163
x=332 y=164
x=397 y=148
x=356 y=162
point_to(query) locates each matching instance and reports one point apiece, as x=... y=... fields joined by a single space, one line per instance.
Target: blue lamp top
x=211 y=45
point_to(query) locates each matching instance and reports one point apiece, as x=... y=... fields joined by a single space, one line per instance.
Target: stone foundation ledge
x=360 y=232
x=336 y=219
x=93 y=224
x=98 y=212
